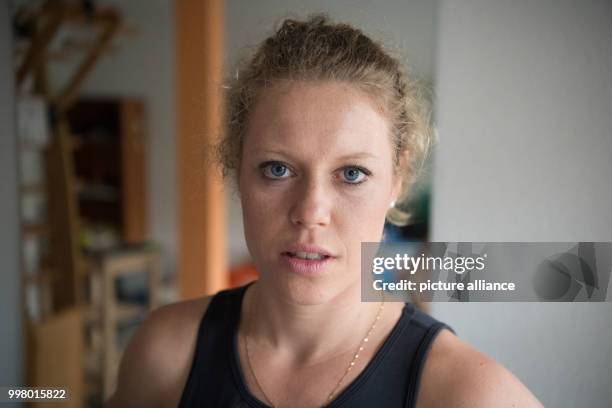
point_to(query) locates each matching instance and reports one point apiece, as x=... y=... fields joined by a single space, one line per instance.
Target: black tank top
x=390 y=379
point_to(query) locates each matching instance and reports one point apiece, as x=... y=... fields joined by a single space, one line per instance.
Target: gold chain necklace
x=348 y=369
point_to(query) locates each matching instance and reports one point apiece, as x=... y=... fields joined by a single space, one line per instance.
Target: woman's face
x=316 y=179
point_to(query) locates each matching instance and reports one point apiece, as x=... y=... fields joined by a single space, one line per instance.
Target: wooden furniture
x=109 y=167
x=46 y=21
x=38 y=26
x=88 y=182
x=108 y=138
x=37 y=272
x=55 y=342
x=91 y=175
x=111 y=313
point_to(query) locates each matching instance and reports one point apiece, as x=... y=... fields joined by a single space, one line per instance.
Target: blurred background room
x=111 y=205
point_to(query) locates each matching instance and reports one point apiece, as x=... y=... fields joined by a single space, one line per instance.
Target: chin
x=304 y=290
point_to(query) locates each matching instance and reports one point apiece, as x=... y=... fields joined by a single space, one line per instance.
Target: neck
x=307 y=333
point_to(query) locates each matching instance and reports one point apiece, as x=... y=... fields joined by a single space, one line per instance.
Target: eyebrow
x=358 y=155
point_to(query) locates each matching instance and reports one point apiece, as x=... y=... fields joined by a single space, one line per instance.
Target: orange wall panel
x=202 y=230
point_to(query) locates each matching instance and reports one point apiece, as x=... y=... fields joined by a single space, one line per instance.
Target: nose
x=312 y=205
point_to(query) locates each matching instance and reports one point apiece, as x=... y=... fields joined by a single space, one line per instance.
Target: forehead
x=318 y=117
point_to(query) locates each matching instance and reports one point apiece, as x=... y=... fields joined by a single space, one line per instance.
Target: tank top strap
x=392 y=377
x=212 y=350
x=224 y=310
x=429 y=328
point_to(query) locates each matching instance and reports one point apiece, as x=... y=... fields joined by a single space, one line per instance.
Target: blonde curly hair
x=317 y=49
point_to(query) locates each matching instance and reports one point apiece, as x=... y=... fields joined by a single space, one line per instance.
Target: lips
x=307 y=260
x=308 y=251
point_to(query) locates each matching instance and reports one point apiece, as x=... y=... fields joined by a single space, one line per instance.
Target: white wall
x=407 y=27
x=524 y=113
x=144 y=66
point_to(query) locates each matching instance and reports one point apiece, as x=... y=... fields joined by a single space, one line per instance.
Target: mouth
x=310 y=256
x=307 y=263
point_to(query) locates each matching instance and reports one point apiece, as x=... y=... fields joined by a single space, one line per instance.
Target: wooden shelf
x=122 y=312
x=109 y=164
x=35 y=188
x=35 y=229
x=126 y=311
x=42 y=276
x=67 y=316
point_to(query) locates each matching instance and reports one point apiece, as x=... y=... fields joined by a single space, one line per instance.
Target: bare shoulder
x=456 y=374
x=156 y=362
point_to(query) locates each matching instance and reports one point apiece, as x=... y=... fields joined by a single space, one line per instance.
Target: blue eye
x=354 y=175
x=275 y=170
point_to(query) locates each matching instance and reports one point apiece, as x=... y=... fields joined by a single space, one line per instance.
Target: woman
x=325 y=135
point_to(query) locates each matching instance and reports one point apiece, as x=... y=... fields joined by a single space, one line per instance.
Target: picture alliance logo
x=570 y=276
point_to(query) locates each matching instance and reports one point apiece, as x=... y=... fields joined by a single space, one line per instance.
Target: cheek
x=364 y=218
x=360 y=217
x=261 y=201
x=262 y=215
